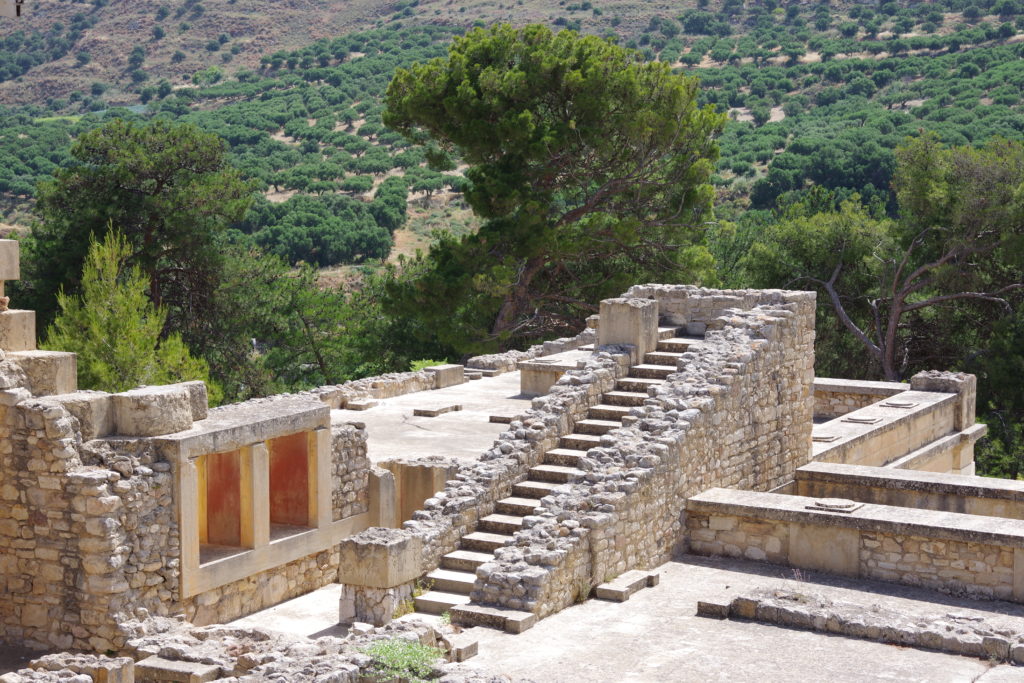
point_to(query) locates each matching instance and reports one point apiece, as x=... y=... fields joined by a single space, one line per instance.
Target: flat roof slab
x=394 y=432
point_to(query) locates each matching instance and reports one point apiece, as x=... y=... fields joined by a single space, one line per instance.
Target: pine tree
x=115 y=329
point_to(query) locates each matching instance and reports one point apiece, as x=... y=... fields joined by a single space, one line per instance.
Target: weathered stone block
x=632 y=322
x=18 y=330
x=197 y=398
x=447 y=375
x=159 y=669
x=10 y=260
x=380 y=558
x=48 y=373
x=94 y=410
x=151 y=411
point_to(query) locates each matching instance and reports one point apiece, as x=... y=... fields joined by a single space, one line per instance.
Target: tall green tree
x=903 y=287
x=116 y=330
x=588 y=165
x=166 y=187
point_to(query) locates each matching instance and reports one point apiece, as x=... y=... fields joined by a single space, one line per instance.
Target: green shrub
x=404 y=659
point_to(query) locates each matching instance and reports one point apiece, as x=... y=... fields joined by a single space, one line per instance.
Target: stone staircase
x=452 y=582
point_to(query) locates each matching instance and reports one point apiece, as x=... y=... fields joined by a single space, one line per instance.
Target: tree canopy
x=116 y=330
x=588 y=164
x=957 y=242
x=166 y=187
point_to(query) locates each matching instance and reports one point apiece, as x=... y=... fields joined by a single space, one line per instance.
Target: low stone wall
x=958 y=634
x=884 y=432
x=499 y=363
x=738 y=413
x=264 y=589
x=990 y=497
x=977 y=556
x=836 y=397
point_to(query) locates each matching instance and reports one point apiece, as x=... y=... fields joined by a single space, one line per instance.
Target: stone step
x=439 y=602
x=579 y=442
x=667 y=332
x=649 y=371
x=569 y=457
x=555 y=473
x=534 y=489
x=452 y=581
x=465 y=560
x=623 y=586
x=515 y=505
x=484 y=541
x=604 y=411
x=637 y=384
x=678 y=344
x=598 y=427
x=624 y=398
x=502 y=524
x=508 y=620
x=662 y=357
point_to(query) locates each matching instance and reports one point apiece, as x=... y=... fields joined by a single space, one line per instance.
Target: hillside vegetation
x=815 y=168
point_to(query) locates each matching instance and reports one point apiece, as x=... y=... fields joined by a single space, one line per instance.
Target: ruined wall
x=836 y=397
x=89 y=534
x=86 y=537
x=981 y=557
x=738 y=413
x=350 y=471
x=264 y=589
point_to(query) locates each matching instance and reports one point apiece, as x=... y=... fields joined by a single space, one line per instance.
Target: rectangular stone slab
x=159 y=669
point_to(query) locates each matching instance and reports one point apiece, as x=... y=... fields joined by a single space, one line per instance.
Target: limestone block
x=94 y=410
x=951 y=383
x=48 y=373
x=383 y=499
x=447 y=375
x=159 y=669
x=197 y=397
x=825 y=548
x=10 y=260
x=380 y=558
x=17 y=330
x=536 y=377
x=151 y=411
x=632 y=322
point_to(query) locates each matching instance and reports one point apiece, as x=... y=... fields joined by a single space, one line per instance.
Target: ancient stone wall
x=497 y=363
x=89 y=531
x=95 y=533
x=738 y=413
x=836 y=397
x=982 y=557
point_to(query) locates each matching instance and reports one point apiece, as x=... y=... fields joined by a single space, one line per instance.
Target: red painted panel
x=223 y=499
x=289 y=480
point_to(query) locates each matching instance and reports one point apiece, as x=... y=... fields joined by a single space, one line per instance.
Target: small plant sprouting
x=403 y=659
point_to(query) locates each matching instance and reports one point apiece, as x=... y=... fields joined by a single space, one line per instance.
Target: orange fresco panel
x=289 y=480
x=223 y=499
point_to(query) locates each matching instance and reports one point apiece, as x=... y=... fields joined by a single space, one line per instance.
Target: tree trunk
x=518 y=297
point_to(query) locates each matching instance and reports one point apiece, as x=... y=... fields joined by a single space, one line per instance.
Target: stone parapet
x=980 y=556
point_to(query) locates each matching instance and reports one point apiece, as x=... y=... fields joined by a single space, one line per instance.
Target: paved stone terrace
x=656 y=636
x=394 y=432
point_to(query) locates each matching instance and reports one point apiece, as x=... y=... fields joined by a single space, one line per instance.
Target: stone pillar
x=17 y=328
x=629 y=322
x=383 y=499
x=960 y=383
x=378 y=570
